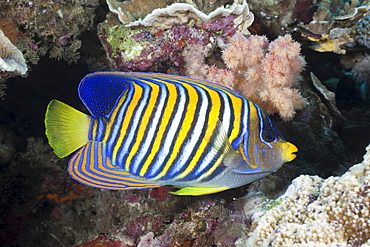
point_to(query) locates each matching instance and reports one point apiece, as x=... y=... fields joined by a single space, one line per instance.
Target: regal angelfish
x=149 y=130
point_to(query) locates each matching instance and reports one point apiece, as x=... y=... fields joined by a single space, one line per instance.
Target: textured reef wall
x=305 y=62
x=318 y=212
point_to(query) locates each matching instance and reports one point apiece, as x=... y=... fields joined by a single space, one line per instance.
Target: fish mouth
x=290 y=152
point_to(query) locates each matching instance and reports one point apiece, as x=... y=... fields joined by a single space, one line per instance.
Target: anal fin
x=197 y=191
x=92 y=167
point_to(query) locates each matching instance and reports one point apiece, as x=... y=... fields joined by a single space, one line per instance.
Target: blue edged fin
x=251 y=171
x=222 y=141
x=90 y=166
x=100 y=91
x=197 y=191
x=66 y=128
x=221 y=144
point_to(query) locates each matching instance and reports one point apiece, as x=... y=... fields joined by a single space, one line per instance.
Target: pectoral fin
x=221 y=144
x=251 y=171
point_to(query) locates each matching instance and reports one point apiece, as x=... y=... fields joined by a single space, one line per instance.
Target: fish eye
x=268 y=135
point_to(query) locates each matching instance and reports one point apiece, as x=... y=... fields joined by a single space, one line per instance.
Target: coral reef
x=363 y=31
x=258 y=70
x=137 y=50
x=334 y=24
x=361 y=70
x=129 y=11
x=279 y=17
x=46 y=25
x=319 y=212
x=156 y=42
x=42 y=206
x=158 y=16
x=358 y=63
x=12 y=62
x=161 y=14
x=9 y=30
x=203 y=223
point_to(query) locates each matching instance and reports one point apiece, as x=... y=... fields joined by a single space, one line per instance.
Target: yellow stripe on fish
x=147 y=130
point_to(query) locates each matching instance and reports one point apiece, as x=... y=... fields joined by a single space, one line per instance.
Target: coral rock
x=9 y=30
x=317 y=212
x=363 y=31
x=12 y=62
x=163 y=17
x=156 y=42
x=334 y=24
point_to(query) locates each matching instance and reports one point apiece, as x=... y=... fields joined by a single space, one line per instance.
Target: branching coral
x=317 y=212
x=264 y=73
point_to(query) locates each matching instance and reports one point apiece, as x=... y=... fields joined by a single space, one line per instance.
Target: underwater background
x=304 y=62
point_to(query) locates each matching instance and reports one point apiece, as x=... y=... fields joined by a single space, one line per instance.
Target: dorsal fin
x=100 y=91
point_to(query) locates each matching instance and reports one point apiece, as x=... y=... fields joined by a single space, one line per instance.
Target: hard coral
x=132 y=10
x=180 y=12
x=156 y=42
x=139 y=50
x=363 y=31
x=334 y=24
x=264 y=73
x=12 y=62
x=129 y=11
x=195 y=227
x=317 y=212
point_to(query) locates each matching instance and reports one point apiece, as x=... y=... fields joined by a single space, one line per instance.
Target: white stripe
x=175 y=124
x=111 y=142
x=195 y=135
x=226 y=124
x=136 y=119
x=226 y=120
x=150 y=135
x=245 y=122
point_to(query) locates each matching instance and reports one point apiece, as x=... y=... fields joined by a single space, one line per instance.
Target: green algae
x=122 y=43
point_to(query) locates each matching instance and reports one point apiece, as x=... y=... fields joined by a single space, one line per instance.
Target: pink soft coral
x=266 y=73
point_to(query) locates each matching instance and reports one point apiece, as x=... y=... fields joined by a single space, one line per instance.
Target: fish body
x=148 y=130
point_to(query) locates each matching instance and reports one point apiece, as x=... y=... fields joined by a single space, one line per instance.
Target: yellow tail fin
x=66 y=128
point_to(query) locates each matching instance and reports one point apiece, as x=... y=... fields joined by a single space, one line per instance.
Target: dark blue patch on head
x=100 y=91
